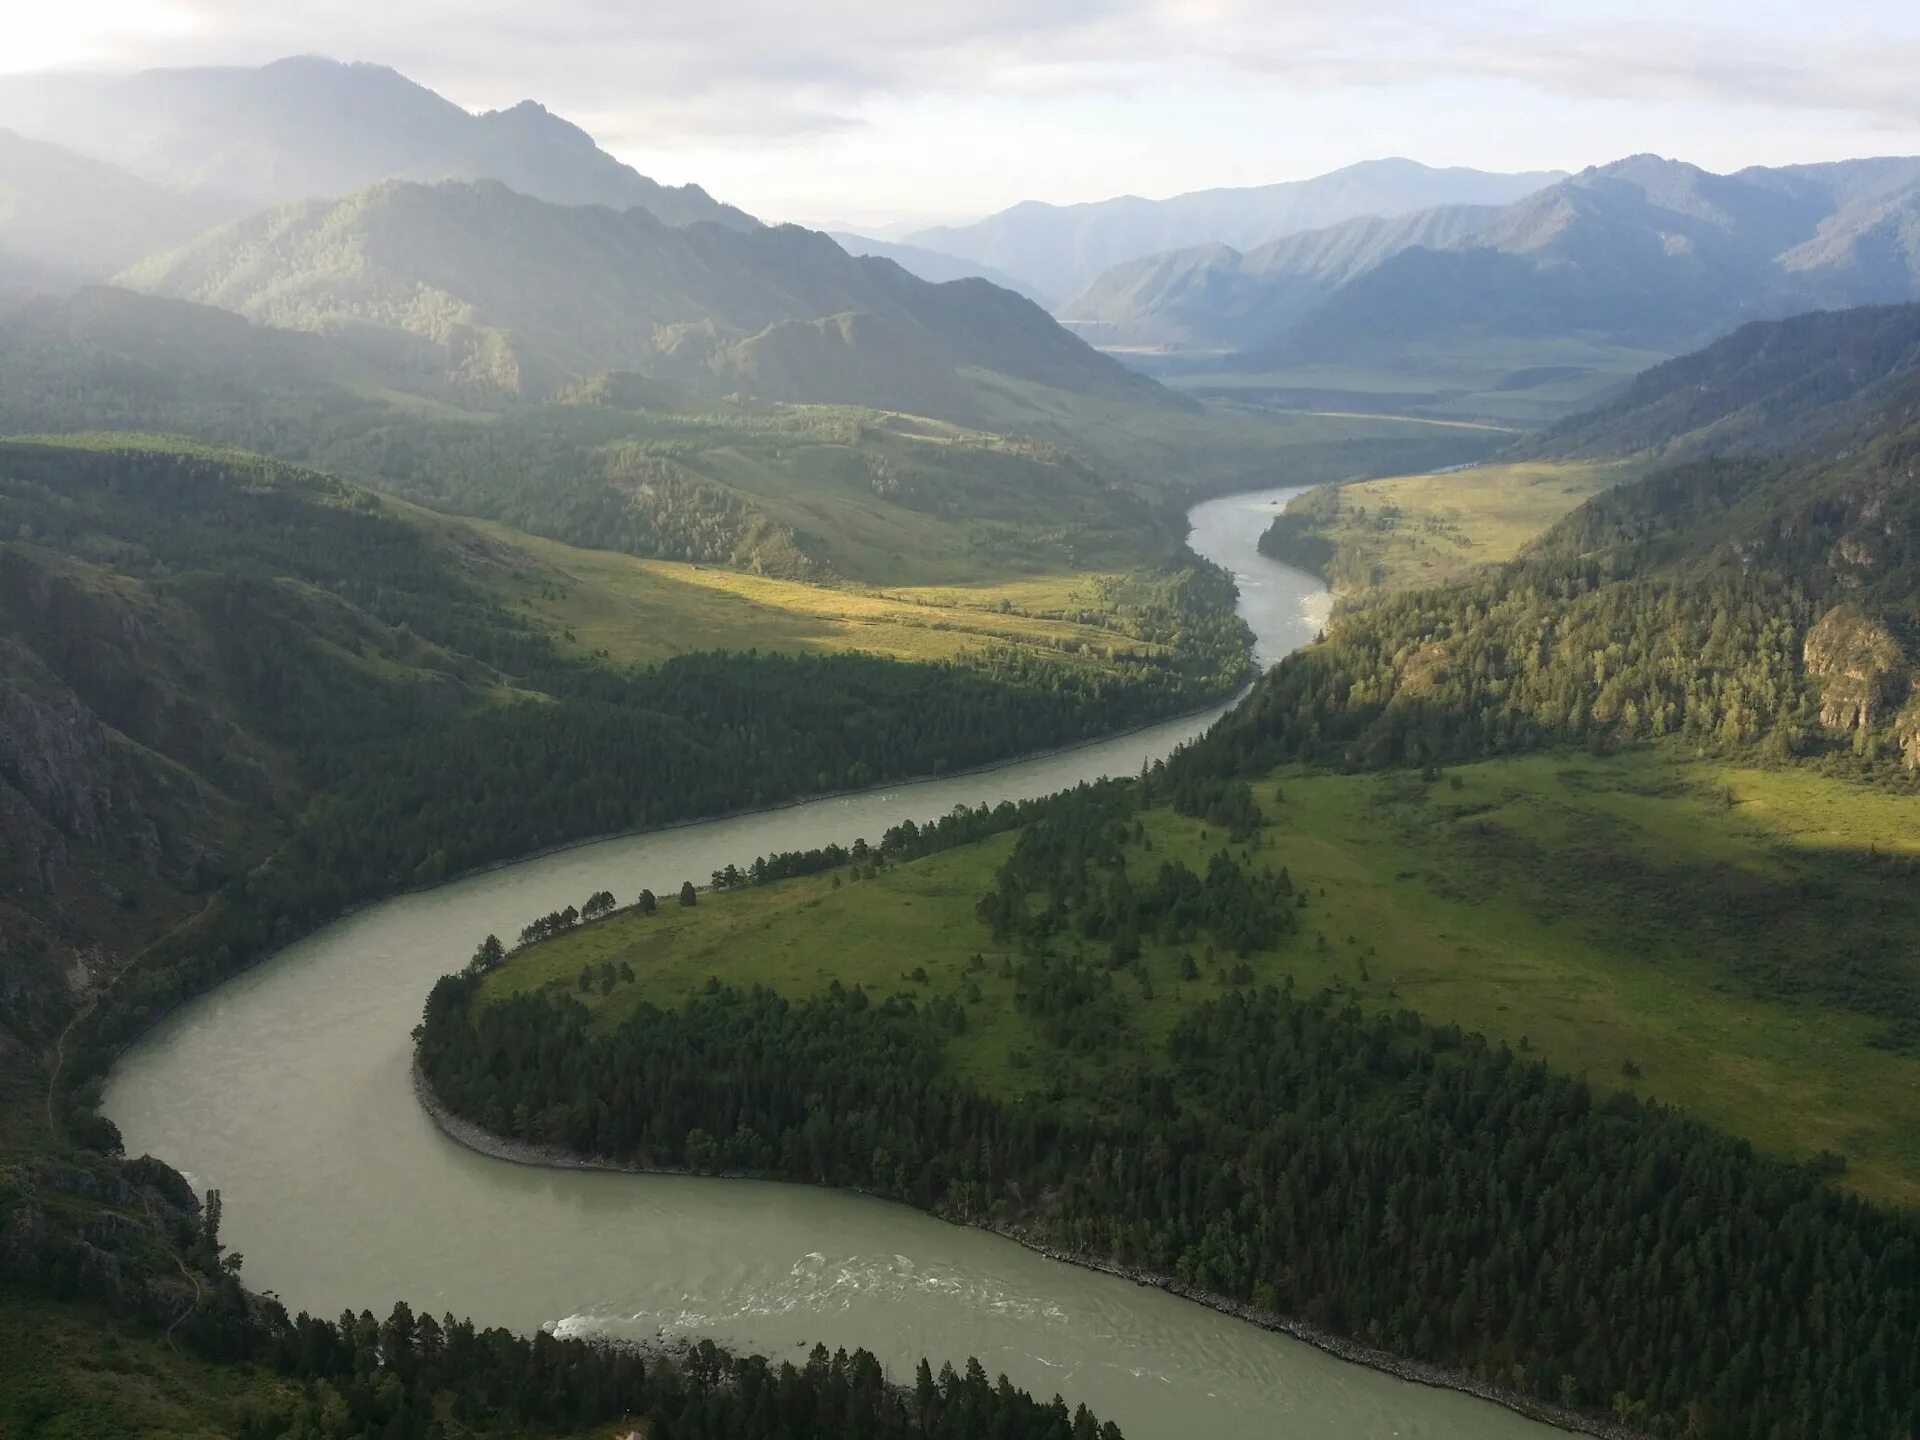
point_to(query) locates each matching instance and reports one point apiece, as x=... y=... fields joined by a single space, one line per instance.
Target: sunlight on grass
x=1585 y=910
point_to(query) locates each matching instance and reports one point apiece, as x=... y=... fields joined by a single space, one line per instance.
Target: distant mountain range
x=1058 y=250
x=934 y=265
x=1214 y=297
x=1647 y=252
x=497 y=293
x=238 y=139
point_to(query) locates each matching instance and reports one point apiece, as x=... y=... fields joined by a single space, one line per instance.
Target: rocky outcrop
x=1906 y=730
x=1858 y=666
x=97 y=1226
x=54 y=753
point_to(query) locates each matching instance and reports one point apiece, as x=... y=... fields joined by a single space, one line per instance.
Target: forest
x=408 y=1376
x=1403 y=1184
x=1756 y=607
x=371 y=717
x=1408 y=1185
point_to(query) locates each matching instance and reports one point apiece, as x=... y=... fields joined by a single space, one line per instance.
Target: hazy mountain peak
x=1059 y=249
x=486 y=289
x=309 y=125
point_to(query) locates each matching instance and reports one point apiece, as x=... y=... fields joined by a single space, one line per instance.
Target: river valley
x=289 y=1089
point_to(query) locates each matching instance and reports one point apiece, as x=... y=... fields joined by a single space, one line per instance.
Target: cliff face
x=117 y=761
x=1860 y=669
x=54 y=759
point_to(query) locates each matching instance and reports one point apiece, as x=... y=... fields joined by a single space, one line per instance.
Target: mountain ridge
x=304 y=126
x=504 y=293
x=65 y=216
x=1060 y=249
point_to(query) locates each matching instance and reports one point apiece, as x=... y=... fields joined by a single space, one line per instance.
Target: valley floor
x=1639 y=918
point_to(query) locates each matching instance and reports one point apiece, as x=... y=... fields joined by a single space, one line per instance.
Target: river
x=288 y=1088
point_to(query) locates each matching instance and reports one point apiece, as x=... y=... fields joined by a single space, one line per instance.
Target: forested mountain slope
x=110 y=358
x=1215 y=297
x=1751 y=604
x=240 y=138
x=1820 y=380
x=209 y=657
x=502 y=294
x=1643 y=252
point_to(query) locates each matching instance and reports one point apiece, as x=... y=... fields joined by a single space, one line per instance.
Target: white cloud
x=815 y=104
x=768 y=67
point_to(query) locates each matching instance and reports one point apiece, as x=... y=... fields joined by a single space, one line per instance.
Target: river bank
x=482 y=1141
x=288 y=1087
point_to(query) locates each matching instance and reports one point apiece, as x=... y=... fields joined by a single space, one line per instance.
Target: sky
x=886 y=113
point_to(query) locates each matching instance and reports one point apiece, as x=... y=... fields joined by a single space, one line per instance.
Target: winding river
x=288 y=1088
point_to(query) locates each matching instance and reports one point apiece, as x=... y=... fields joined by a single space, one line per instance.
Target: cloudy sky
x=877 y=110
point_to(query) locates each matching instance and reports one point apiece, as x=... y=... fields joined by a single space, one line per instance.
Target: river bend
x=288 y=1088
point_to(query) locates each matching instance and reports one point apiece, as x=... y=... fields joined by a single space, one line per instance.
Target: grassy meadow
x=1512 y=382
x=636 y=610
x=1638 y=918
x=1408 y=532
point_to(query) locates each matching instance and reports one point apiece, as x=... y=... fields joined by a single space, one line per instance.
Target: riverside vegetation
x=1628 y=817
x=241 y=694
x=1104 y=1050
x=244 y=693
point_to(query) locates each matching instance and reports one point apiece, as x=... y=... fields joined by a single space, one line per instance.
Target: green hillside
x=1756 y=606
x=1414 y=532
x=211 y=659
x=1822 y=379
x=492 y=293
x=1086 y=1021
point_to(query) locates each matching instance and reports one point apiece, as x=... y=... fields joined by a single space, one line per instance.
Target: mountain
x=1214 y=297
x=65 y=217
x=242 y=138
x=1060 y=249
x=1810 y=382
x=1646 y=252
x=496 y=292
x=933 y=265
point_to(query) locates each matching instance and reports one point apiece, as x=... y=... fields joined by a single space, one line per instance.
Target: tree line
x=380 y=721
x=1401 y=1183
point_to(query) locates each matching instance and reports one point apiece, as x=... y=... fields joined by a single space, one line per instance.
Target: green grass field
x=642 y=610
x=1600 y=913
x=76 y=1372
x=1406 y=532
x=1521 y=383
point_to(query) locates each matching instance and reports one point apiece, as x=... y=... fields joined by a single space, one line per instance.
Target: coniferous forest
x=1408 y=1186
x=1377 y=1177
x=1515 y=992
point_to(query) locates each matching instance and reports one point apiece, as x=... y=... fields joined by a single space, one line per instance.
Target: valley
x=1279 y=805
x=1372 y=538
x=722 y=1252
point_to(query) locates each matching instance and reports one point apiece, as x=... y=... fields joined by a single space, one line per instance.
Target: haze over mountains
x=505 y=254
x=242 y=138
x=934 y=265
x=1059 y=249
x=65 y=217
x=1645 y=252
x=505 y=294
